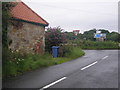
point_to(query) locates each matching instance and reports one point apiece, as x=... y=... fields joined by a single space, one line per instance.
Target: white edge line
x=89 y=65
x=47 y=86
x=105 y=57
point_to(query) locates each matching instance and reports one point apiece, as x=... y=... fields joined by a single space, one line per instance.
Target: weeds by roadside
x=16 y=63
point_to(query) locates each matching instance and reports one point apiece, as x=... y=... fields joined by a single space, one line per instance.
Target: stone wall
x=26 y=37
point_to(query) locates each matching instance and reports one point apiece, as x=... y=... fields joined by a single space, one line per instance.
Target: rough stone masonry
x=24 y=37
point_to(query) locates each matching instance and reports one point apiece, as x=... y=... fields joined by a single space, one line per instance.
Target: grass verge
x=87 y=44
x=15 y=64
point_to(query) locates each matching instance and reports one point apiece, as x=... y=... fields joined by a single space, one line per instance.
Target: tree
x=70 y=35
x=104 y=31
x=114 y=36
x=89 y=35
x=54 y=37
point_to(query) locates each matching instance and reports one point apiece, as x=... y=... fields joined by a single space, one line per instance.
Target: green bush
x=53 y=37
x=87 y=44
x=64 y=50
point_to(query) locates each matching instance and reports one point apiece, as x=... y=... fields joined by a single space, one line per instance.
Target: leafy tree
x=54 y=37
x=80 y=36
x=89 y=35
x=104 y=31
x=70 y=35
x=114 y=36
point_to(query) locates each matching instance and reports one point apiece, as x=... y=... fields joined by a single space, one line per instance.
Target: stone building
x=27 y=30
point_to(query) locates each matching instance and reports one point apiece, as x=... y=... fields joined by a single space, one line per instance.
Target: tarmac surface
x=97 y=69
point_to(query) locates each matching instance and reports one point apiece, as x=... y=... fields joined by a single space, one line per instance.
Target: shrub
x=87 y=44
x=64 y=50
x=54 y=37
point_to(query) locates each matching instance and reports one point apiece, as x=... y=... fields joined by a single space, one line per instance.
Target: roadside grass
x=17 y=64
x=87 y=44
x=76 y=52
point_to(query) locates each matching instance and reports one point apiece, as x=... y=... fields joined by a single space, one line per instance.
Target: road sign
x=97 y=36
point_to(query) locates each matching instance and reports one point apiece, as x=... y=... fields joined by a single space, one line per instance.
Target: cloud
x=78 y=15
x=71 y=0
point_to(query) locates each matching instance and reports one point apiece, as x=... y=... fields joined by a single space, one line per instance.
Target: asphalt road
x=97 y=69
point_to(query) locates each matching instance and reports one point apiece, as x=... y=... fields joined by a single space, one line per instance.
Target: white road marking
x=89 y=65
x=105 y=57
x=47 y=86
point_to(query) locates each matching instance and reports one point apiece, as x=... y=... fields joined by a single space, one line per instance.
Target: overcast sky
x=80 y=15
